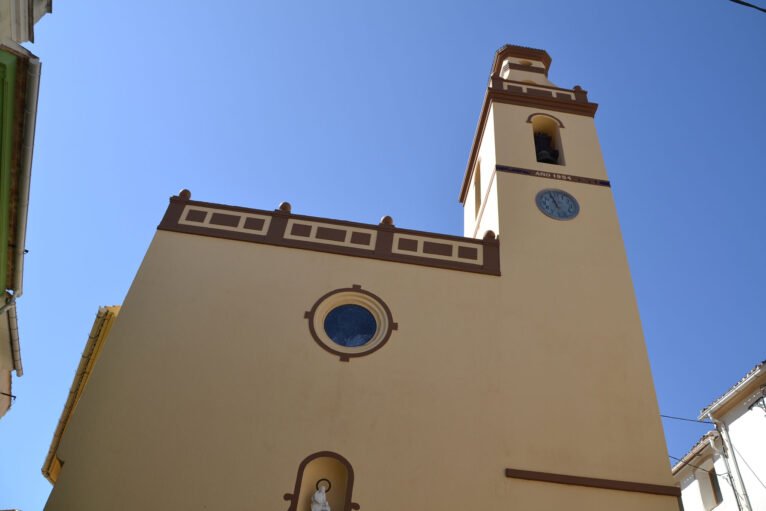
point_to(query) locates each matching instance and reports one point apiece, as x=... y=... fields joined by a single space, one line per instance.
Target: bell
x=544 y=148
x=548 y=156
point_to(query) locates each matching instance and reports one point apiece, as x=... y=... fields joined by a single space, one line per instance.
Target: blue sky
x=355 y=110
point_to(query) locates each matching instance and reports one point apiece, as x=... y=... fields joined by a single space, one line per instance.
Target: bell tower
x=528 y=126
x=536 y=178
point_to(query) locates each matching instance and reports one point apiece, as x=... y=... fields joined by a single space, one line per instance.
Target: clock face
x=557 y=204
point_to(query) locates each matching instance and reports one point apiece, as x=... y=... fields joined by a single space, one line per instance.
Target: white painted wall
x=696 y=490
x=747 y=430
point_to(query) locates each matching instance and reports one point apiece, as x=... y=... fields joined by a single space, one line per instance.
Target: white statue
x=319 y=500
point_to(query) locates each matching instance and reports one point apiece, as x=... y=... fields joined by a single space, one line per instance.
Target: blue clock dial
x=557 y=204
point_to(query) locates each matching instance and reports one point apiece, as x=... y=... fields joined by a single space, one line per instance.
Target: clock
x=557 y=204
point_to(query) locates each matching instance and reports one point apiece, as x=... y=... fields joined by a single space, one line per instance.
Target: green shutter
x=8 y=64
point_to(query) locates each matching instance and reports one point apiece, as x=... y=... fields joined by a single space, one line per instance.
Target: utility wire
x=748 y=5
x=708 y=422
x=687 y=464
x=724 y=475
x=685 y=419
x=748 y=466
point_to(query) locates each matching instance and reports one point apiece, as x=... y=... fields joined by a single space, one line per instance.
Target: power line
x=685 y=419
x=748 y=465
x=724 y=475
x=748 y=5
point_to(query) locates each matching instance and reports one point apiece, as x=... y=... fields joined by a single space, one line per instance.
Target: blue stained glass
x=350 y=325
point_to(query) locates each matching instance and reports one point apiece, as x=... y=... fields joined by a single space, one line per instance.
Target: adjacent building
x=19 y=84
x=18 y=18
x=265 y=359
x=96 y=339
x=726 y=469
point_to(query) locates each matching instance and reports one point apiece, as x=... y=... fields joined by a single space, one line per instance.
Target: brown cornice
x=546 y=102
x=544 y=97
x=383 y=242
x=521 y=52
x=592 y=482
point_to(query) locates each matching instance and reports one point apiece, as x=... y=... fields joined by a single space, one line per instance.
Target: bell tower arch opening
x=547 y=138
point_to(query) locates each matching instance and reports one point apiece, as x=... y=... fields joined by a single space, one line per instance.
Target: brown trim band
x=592 y=482
x=554 y=175
x=383 y=242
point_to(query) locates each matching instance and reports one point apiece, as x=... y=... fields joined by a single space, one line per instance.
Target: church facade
x=269 y=360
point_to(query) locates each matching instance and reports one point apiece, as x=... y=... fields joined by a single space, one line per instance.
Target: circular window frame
x=353 y=295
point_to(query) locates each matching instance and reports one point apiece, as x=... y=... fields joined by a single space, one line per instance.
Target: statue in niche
x=319 y=499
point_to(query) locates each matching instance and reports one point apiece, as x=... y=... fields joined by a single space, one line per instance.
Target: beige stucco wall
x=487 y=218
x=570 y=304
x=210 y=390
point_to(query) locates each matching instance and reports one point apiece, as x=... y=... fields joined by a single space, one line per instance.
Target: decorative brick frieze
x=554 y=98
x=223 y=219
x=384 y=242
x=330 y=234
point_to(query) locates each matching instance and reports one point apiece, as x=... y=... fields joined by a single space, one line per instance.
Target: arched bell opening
x=328 y=471
x=547 y=138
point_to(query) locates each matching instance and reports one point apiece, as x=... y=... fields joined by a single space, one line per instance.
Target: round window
x=350 y=325
x=350 y=322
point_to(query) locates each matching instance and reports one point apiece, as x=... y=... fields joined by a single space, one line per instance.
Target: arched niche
x=549 y=116
x=329 y=469
x=547 y=138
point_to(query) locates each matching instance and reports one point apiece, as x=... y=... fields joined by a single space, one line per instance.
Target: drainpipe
x=13 y=329
x=729 y=475
x=733 y=468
